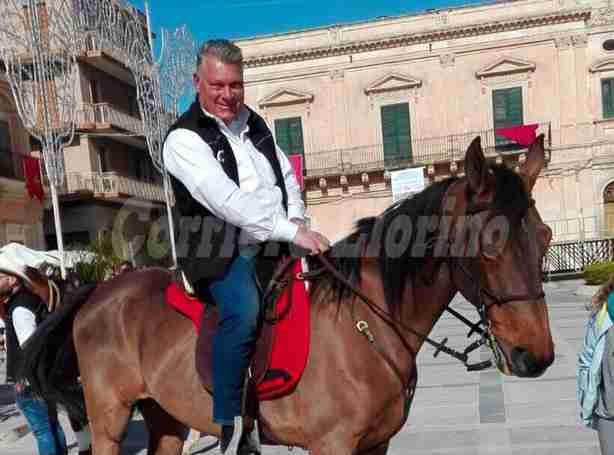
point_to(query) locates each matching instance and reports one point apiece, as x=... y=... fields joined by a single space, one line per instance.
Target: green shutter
x=296 y=137
x=507 y=109
x=282 y=138
x=607 y=96
x=289 y=135
x=514 y=106
x=396 y=133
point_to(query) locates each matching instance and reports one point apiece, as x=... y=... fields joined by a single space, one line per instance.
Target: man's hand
x=312 y=241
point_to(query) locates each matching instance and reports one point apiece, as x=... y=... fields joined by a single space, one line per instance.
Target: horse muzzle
x=525 y=365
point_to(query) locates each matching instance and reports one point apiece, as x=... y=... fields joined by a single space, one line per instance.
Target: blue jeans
x=238 y=302
x=43 y=421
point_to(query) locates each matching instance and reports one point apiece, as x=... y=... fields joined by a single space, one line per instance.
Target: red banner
x=522 y=134
x=297 y=164
x=32 y=172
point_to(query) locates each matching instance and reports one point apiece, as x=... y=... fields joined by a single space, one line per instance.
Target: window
x=607 y=97
x=104 y=159
x=143 y=169
x=289 y=135
x=507 y=109
x=7 y=168
x=396 y=133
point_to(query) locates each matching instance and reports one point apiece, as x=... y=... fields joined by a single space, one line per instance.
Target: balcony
x=107 y=57
x=425 y=151
x=109 y=185
x=104 y=117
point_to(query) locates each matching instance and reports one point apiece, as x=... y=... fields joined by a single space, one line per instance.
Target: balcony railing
x=424 y=151
x=107 y=114
x=110 y=184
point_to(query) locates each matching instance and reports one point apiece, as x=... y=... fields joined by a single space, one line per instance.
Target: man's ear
x=195 y=80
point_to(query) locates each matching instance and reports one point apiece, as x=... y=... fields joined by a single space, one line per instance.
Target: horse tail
x=49 y=359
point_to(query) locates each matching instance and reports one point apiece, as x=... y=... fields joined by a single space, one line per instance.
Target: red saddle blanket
x=290 y=344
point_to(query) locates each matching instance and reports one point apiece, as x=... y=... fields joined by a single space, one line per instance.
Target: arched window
x=608 y=204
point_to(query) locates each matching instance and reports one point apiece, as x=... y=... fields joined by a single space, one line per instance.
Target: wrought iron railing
x=571 y=257
x=572 y=229
x=105 y=113
x=424 y=151
x=110 y=184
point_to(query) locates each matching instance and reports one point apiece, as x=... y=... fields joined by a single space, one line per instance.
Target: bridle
x=481 y=327
x=479 y=291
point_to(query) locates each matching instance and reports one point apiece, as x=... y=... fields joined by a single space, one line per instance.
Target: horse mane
x=396 y=264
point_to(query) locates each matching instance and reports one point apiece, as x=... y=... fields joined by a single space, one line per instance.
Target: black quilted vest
x=26 y=299
x=206 y=245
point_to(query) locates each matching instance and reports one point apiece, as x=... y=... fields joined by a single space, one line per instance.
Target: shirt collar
x=238 y=127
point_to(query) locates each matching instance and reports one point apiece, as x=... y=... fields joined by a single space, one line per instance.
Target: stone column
x=584 y=128
x=339 y=112
x=567 y=89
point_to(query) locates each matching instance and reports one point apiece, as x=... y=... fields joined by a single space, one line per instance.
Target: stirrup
x=205 y=444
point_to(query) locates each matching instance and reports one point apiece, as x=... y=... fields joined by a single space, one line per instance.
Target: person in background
x=124 y=267
x=22 y=311
x=596 y=369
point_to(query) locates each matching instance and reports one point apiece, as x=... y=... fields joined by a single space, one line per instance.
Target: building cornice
x=411 y=38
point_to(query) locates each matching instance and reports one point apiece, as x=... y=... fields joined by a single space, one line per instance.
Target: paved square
x=455 y=412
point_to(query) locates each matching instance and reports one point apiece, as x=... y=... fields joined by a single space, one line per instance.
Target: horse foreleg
x=166 y=434
x=108 y=427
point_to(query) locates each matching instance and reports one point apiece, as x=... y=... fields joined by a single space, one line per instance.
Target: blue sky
x=235 y=19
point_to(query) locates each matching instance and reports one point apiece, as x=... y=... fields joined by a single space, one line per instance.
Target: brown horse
x=133 y=349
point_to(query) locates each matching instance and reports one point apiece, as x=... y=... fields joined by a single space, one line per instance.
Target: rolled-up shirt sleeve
x=259 y=213
x=296 y=206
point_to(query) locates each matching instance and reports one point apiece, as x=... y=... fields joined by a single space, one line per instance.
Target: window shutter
x=514 y=106
x=282 y=136
x=296 y=137
x=607 y=95
x=403 y=130
x=507 y=110
x=396 y=132
x=289 y=135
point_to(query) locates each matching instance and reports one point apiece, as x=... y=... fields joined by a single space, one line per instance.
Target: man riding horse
x=234 y=189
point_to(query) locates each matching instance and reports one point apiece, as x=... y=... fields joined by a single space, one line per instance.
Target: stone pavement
x=454 y=412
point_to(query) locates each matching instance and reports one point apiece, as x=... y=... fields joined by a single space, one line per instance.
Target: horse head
x=500 y=242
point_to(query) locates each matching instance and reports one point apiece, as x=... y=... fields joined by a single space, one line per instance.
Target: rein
x=363 y=327
x=482 y=327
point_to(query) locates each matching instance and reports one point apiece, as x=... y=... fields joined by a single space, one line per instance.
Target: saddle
x=282 y=348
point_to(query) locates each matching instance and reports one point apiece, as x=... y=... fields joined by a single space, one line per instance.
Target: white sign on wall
x=406 y=182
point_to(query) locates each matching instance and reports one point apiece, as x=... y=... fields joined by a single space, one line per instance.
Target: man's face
x=7 y=284
x=220 y=88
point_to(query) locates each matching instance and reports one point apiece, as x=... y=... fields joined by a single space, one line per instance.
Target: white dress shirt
x=24 y=322
x=256 y=205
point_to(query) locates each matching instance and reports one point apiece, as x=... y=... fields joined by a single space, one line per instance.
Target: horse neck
x=424 y=303
x=420 y=308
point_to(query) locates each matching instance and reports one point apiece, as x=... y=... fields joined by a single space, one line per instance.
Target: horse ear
x=476 y=167
x=535 y=162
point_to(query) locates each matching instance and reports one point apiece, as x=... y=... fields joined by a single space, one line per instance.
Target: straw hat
x=11 y=266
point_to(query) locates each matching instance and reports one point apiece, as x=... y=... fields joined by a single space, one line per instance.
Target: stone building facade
x=365 y=99
x=21 y=217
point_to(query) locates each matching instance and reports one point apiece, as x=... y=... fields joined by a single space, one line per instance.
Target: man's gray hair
x=225 y=51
